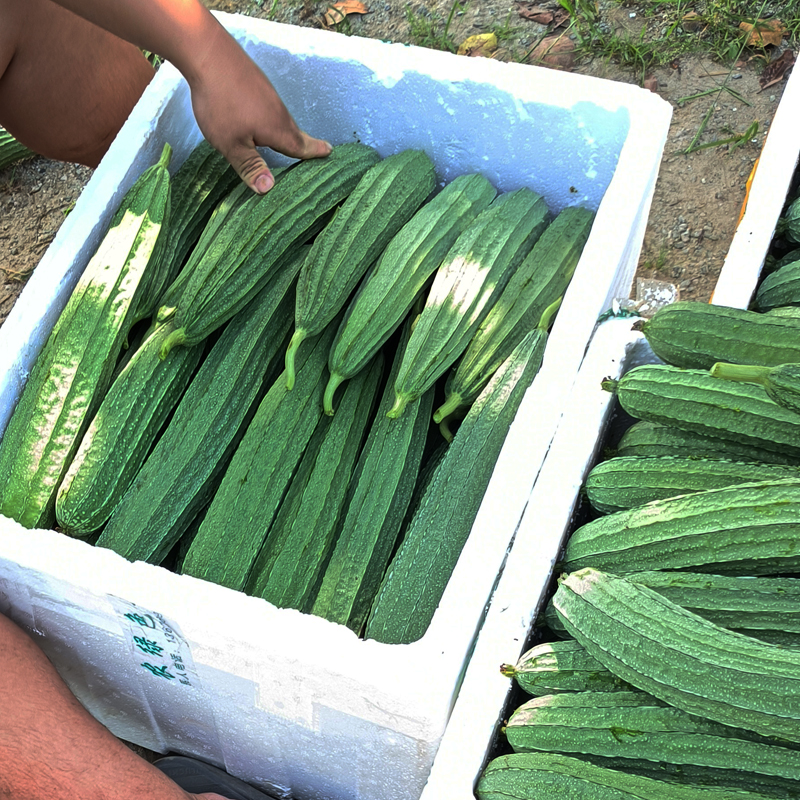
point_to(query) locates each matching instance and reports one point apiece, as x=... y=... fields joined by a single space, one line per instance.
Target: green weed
x=432 y=31
x=666 y=33
x=659 y=262
x=506 y=31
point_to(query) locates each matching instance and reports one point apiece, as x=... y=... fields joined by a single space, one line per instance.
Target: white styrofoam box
x=614 y=349
x=478 y=712
x=776 y=165
x=279 y=698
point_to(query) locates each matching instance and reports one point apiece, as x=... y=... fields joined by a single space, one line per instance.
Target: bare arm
x=236 y=106
x=52 y=749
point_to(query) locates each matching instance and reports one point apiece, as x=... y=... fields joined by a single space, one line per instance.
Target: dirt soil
x=698 y=196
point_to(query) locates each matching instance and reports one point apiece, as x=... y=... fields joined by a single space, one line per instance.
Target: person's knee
x=66 y=86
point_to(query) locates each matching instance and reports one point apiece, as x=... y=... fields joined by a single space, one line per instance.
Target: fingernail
x=264 y=183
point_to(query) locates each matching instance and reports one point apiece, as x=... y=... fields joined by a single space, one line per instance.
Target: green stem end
x=327 y=399
x=451 y=404
x=609 y=385
x=175 y=339
x=400 y=402
x=291 y=352
x=740 y=372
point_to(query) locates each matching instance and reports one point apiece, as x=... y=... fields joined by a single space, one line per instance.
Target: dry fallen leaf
x=776 y=70
x=764 y=32
x=482 y=44
x=541 y=15
x=651 y=83
x=338 y=11
x=535 y=13
x=554 y=51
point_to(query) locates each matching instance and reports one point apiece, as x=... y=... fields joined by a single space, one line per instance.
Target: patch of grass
x=650 y=48
x=506 y=31
x=733 y=141
x=273 y=9
x=667 y=32
x=432 y=31
x=18 y=277
x=659 y=262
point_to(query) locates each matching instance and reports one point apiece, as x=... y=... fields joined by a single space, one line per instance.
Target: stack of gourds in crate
x=248 y=388
x=675 y=666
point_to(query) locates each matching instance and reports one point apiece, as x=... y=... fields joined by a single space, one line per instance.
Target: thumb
x=252 y=169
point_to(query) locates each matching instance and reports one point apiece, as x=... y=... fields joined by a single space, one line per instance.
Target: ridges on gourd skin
x=200 y=183
x=681 y=658
x=381 y=492
x=255 y=481
x=562 y=665
x=298 y=545
x=534 y=775
x=77 y=362
x=697 y=335
x=386 y=197
x=693 y=400
x=530 y=299
x=226 y=206
x=733 y=530
x=259 y=234
x=766 y=608
x=466 y=285
x=635 y=729
x=627 y=481
x=397 y=280
x=419 y=571
x=780 y=288
x=645 y=438
x=186 y=463
x=781 y=381
x=121 y=434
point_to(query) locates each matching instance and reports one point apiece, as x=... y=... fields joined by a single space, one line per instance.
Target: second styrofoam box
x=282 y=699
x=478 y=713
x=615 y=348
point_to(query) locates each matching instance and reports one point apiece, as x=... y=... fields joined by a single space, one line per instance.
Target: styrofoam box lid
x=283 y=699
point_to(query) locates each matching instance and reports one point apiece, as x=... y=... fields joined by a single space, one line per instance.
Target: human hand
x=238 y=109
x=235 y=105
